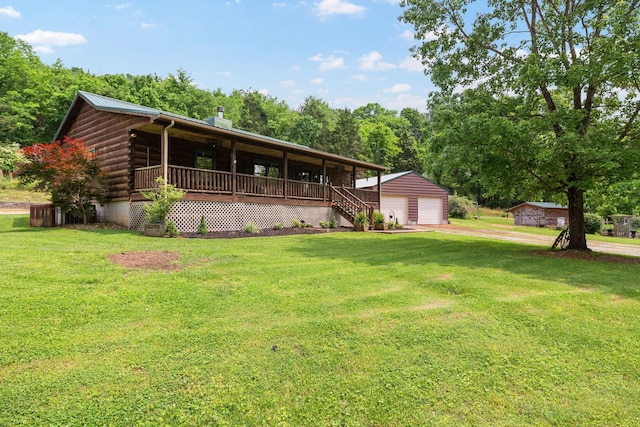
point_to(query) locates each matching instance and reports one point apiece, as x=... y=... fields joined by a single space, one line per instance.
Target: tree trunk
x=577 y=236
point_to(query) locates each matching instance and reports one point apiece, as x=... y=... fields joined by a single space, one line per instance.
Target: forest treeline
x=34 y=97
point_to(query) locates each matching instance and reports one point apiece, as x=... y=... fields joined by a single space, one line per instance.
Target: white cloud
x=338 y=7
x=407 y=34
x=279 y=4
x=42 y=41
x=123 y=6
x=411 y=64
x=146 y=25
x=406 y=100
x=288 y=83
x=373 y=61
x=328 y=63
x=398 y=88
x=317 y=81
x=10 y=12
x=359 y=77
x=264 y=92
x=223 y=73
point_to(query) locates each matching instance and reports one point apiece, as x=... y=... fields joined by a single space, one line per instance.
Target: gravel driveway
x=516 y=236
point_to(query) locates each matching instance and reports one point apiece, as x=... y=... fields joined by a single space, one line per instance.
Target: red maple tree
x=69 y=171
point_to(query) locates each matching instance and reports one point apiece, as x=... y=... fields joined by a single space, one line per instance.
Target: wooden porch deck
x=222 y=182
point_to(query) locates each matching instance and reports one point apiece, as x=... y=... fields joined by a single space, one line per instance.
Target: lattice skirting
x=225 y=216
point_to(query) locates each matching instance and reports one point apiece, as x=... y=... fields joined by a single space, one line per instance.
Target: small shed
x=540 y=214
x=410 y=198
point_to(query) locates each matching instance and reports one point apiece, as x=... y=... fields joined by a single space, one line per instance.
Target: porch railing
x=204 y=180
x=259 y=185
x=191 y=179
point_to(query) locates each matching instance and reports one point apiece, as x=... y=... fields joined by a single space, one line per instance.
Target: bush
x=592 y=223
x=251 y=228
x=162 y=199
x=278 y=226
x=296 y=223
x=460 y=207
x=171 y=230
x=324 y=224
x=333 y=223
x=202 y=227
x=378 y=218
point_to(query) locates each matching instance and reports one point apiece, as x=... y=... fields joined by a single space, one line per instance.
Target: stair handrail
x=352 y=201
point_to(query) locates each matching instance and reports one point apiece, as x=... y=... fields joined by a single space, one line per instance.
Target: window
x=204 y=159
x=267 y=169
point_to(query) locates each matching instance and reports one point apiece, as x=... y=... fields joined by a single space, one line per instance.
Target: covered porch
x=214 y=163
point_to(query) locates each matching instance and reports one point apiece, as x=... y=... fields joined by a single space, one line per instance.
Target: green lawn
x=354 y=329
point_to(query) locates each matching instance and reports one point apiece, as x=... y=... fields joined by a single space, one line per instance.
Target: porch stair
x=348 y=205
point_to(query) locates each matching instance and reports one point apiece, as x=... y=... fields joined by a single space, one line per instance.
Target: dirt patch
x=590 y=256
x=151 y=260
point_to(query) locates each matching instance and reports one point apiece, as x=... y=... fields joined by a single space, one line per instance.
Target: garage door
x=395 y=205
x=429 y=210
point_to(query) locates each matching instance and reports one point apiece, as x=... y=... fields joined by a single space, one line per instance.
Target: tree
x=570 y=70
x=68 y=170
x=10 y=157
x=380 y=143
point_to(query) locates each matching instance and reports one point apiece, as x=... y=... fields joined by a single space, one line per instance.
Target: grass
x=11 y=190
x=356 y=329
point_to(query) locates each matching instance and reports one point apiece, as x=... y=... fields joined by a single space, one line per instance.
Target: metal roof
x=105 y=103
x=543 y=205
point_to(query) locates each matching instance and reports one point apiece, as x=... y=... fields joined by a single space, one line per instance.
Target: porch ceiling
x=260 y=148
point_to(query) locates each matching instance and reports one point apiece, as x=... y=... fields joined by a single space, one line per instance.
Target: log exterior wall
x=539 y=217
x=108 y=135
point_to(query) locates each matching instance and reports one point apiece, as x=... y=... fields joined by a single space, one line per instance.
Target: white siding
x=429 y=210
x=399 y=205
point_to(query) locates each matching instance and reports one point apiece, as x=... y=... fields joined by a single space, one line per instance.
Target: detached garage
x=410 y=198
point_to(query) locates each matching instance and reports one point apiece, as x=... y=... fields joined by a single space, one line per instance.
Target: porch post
x=324 y=180
x=379 y=190
x=165 y=152
x=353 y=177
x=233 y=168
x=285 y=162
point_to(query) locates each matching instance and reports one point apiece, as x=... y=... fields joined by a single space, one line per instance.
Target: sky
x=347 y=52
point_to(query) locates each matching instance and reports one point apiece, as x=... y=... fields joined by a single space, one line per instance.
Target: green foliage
x=10 y=156
x=378 y=218
x=460 y=206
x=592 y=223
x=278 y=226
x=361 y=218
x=162 y=198
x=171 y=230
x=296 y=223
x=251 y=228
x=553 y=110
x=202 y=227
x=333 y=223
x=324 y=224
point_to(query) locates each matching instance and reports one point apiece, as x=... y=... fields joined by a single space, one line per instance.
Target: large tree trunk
x=577 y=236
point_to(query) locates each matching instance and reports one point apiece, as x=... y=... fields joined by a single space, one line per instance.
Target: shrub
x=333 y=223
x=592 y=223
x=171 y=230
x=162 y=198
x=251 y=228
x=378 y=218
x=361 y=218
x=324 y=224
x=278 y=226
x=202 y=227
x=460 y=206
x=296 y=223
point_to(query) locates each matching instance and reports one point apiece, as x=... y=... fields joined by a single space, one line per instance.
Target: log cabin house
x=230 y=176
x=540 y=214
